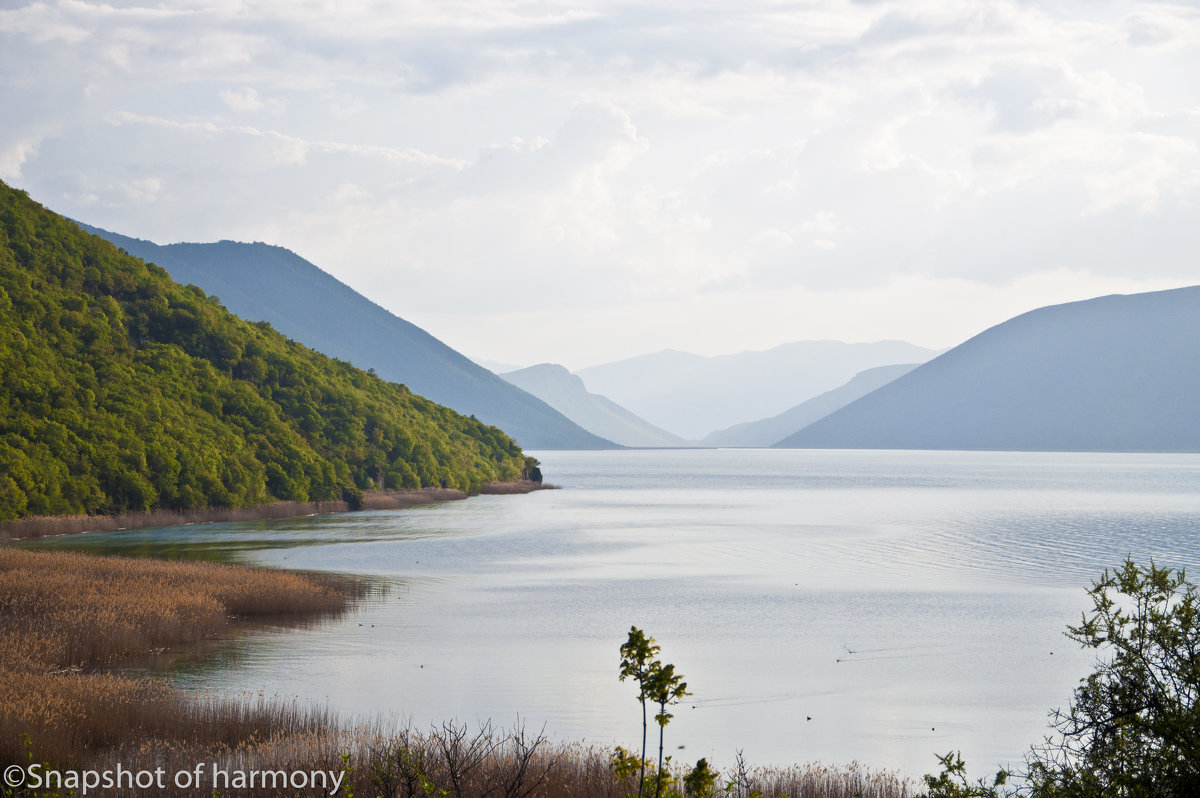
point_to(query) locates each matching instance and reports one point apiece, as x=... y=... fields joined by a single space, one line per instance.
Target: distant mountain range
x=770 y=431
x=690 y=395
x=272 y=284
x=1117 y=373
x=566 y=393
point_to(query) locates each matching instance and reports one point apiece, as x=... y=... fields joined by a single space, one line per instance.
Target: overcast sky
x=584 y=181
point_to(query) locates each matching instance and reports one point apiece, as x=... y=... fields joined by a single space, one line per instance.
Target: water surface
x=822 y=605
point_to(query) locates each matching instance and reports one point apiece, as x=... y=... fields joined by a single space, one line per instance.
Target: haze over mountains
x=1116 y=373
x=566 y=393
x=691 y=395
x=267 y=283
x=769 y=431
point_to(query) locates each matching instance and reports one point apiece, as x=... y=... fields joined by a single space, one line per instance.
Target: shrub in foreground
x=1132 y=729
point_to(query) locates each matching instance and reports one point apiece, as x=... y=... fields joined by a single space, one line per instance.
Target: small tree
x=665 y=688
x=638 y=663
x=952 y=781
x=1133 y=728
x=701 y=782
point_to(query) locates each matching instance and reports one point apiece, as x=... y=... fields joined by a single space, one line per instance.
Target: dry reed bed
x=66 y=617
x=450 y=760
x=61 y=609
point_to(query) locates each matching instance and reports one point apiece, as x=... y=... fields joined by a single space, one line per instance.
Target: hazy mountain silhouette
x=770 y=431
x=691 y=396
x=1117 y=373
x=495 y=366
x=566 y=393
x=267 y=283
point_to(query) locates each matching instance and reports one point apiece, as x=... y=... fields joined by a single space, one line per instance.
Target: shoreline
x=51 y=525
x=75 y=709
x=71 y=709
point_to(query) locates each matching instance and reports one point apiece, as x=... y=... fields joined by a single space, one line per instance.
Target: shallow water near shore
x=834 y=606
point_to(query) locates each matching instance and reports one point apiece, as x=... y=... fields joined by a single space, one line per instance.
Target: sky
x=585 y=181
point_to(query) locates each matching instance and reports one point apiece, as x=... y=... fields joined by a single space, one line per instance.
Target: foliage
x=1133 y=728
x=627 y=767
x=658 y=684
x=952 y=781
x=701 y=781
x=637 y=659
x=665 y=688
x=122 y=390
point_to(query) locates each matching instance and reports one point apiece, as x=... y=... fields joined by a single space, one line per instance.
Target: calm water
x=907 y=602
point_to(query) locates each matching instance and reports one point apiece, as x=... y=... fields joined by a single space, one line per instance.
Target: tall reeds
x=67 y=620
x=66 y=617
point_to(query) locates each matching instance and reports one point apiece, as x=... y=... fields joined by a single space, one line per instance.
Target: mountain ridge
x=264 y=282
x=1114 y=373
x=691 y=395
x=598 y=414
x=770 y=431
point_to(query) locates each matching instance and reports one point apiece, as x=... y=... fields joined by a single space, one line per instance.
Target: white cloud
x=246 y=99
x=13 y=156
x=43 y=24
x=454 y=159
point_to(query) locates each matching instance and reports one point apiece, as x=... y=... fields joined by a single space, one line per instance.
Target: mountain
x=122 y=390
x=1117 y=373
x=690 y=395
x=770 y=431
x=495 y=366
x=566 y=393
x=272 y=284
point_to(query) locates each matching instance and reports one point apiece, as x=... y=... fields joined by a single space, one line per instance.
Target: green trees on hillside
x=122 y=390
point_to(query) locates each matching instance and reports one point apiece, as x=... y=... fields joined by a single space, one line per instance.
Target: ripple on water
x=908 y=602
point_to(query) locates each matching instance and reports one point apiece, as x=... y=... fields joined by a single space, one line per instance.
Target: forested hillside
x=260 y=282
x=122 y=390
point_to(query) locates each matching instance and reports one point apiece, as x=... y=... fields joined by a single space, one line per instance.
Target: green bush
x=1132 y=729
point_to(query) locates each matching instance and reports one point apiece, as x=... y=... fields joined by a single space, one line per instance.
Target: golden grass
x=61 y=609
x=67 y=619
x=816 y=780
x=446 y=760
x=66 y=616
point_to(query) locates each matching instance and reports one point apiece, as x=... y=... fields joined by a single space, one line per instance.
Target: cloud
x=248 y=100
x=122 y=195
x=43 y=24
x=453 y=159
x=13 y=156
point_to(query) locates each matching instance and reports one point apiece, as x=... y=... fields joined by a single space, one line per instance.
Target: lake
x=822 y=605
